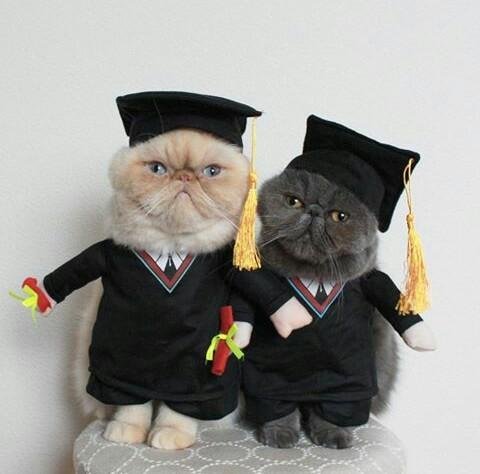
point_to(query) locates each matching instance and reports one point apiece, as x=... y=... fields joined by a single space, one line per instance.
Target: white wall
x=405 y=72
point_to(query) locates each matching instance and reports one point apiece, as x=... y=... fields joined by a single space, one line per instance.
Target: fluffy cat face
x=314 y=228
x=182 y=190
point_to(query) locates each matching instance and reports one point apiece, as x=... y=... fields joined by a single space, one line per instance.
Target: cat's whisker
x=210 y=203
x=160 y=200
x=216 y=204
x=270 y=241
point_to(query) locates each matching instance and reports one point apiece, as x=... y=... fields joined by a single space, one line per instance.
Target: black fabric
x=332 y=359
x=371 y=170
x=170 y=268
x=263 y=410
x=341 y=413
x=345 y=169
x=321 y=294
x=148 y=114
x=263 y=288
x=148 y=343
x=382 y=292
x=213 y=409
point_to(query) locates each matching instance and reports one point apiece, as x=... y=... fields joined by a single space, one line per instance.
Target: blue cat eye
x=212 y=170
x=157 y=168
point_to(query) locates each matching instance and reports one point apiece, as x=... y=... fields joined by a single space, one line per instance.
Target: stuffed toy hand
x=243 y=334
x=420 y=337
x=292 y=315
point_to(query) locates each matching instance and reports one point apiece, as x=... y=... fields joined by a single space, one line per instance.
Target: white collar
x=312 y=285
x=162 y=259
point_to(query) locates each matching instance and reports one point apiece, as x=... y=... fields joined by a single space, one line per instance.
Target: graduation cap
x=148 y=114
x=376 y=174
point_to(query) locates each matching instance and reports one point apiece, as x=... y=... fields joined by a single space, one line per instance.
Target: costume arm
x=262 y=288
x=77 y=272
x=380 y=290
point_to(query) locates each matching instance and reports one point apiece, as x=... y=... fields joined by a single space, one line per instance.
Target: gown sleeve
x=382 y=293
x=262 y=288
x=77 y=272
x=242 y=310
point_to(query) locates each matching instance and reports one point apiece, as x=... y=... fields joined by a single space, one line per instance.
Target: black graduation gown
x=151 y=334
x=331 y=359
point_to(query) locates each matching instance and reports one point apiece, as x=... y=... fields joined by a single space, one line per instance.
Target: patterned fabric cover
x=234 y=451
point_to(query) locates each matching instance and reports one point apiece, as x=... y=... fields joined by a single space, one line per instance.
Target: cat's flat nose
x=184 y=176
x=315 y=210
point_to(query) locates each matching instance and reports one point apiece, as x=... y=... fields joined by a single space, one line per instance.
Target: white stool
x=235 y=451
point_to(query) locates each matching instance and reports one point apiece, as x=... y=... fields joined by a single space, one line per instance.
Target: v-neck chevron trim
x=169 y=284
x=319 y=308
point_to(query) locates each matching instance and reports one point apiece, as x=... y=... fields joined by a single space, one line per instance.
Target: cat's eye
x=157 y=168
x=293 y=201
x=339 y=216
x=211 y=170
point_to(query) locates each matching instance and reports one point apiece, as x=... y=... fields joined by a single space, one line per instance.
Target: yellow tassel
x=415 y=298
x=245 y=252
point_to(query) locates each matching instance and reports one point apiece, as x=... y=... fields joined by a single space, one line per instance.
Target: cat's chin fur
x=124 y=228
x=345 y=268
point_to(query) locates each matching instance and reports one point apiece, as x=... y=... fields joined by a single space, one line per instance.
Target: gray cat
x=315 y=231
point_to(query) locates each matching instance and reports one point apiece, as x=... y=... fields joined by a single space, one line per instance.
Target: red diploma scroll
x=43 y=304
x=223 y=352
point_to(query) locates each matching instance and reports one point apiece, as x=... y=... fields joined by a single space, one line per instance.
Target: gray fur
x=281 y=433
x=324 y=433
x=385 y=343
x=306 y=242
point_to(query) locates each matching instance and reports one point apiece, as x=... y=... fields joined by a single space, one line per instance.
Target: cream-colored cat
x=192 y=208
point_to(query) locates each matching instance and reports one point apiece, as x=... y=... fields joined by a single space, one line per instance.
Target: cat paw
x=167 y=437
x=333 y=438
x=281 y=433
x=120 y=432
x=278 y=436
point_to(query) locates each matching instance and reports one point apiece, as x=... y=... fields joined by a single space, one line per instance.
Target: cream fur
x=146 y=213
x=130 y=424
x=172 y=430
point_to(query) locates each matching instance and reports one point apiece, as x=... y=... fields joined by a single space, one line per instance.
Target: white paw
x=120 y=432
x=420 y=337
x=167 y=437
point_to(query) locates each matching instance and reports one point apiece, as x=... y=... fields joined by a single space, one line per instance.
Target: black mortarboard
x=372 y=171
x=148 y=114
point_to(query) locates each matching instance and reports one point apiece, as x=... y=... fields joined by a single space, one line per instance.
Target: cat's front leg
x=324 y=433
x=172 y=430
x=330 y=424
x=130 y=424
x=283 y=432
